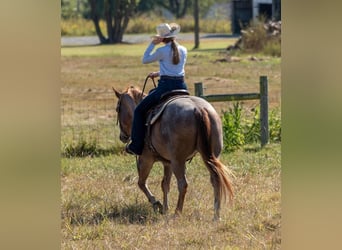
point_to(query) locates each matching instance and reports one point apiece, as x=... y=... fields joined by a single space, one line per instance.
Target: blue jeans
x=139 y=119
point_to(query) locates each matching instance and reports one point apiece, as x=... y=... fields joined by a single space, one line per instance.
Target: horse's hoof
x=217 y=219
x=158 y=207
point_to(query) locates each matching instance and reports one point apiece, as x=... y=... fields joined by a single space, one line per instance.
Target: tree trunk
x=108 y=18
x=116 y=14
x=196 y=17
x=95 y=19
x=185 y=8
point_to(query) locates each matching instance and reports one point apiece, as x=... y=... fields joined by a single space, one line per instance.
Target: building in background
x=243 y=11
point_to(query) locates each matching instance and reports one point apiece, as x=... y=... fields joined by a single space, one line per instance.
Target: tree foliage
x=179 y=8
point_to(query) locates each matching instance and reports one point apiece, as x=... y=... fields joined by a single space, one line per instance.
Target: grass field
x=102 y=206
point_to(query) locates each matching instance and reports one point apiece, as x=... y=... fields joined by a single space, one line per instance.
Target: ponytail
x=175 y=52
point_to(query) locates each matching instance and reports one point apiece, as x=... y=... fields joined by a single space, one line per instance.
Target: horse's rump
x=177 y=130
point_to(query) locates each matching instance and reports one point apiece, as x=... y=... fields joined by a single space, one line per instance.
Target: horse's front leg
x=165 y=185
x=144 y=169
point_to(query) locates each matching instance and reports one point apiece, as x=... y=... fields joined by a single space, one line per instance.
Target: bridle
x=118 y=111
x=118 y=107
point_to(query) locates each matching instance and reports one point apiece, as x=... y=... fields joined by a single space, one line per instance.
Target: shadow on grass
x=252 y=149
x=207 y=50
x=95 y=45
x=129 y=214
x=86 y=149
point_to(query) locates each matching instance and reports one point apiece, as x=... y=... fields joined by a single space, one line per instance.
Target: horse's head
x=127 y=101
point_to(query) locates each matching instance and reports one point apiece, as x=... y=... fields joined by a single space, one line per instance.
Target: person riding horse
x=172 y=58
x=187 y=126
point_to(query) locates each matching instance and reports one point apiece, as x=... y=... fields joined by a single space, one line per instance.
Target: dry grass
x=98 y=68
x=144 y=24
x=102 y=207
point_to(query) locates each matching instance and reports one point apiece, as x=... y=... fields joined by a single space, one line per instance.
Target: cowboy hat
x=165 y=30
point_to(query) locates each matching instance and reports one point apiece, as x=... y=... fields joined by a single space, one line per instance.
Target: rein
x=142 y=95
x=142 y=92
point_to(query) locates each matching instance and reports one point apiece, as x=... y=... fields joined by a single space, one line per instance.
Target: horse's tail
x=219 y=172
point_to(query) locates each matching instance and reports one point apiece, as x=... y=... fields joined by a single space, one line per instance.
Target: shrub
x=254 y=37
x=78 y=27
x=262 y=37
x=272 y=48
x=239 y=129
x=233 y=135
x=274 y=121
x=252 y=127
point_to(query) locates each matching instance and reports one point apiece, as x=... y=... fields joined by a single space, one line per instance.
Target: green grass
x=125 y=50
x=101 y=204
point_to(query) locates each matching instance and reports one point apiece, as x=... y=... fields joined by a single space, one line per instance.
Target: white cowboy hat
x=165 y=30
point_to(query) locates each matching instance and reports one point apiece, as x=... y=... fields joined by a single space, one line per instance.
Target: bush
x=233 y=135
x=254 y=38
x=252 y=127
x=274 y=121
x=239 y=129
x=78 y=27
x=272 y=48
x=262 y=37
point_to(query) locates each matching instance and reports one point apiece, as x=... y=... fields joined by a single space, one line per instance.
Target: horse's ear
x=117 y=93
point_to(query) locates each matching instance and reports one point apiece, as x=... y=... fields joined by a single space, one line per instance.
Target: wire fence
x=89 y=119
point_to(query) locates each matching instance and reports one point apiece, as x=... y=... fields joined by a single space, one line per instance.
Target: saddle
x=165 y=99
x=155 y=113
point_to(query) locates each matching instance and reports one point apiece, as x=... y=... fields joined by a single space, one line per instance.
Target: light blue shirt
x=164 y=56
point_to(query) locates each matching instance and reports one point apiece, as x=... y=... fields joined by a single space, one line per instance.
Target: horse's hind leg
x=165 y=185
x=179 y=171
x=144 y=169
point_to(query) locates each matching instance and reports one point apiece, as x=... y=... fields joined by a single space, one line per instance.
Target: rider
x=171 y=58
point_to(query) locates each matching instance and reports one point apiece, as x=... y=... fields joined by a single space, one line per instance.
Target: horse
x=187 y=125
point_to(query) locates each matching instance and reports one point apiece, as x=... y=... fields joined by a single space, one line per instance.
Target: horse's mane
x=135 y=93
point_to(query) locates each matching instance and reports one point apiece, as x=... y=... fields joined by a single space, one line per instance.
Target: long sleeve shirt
x=164 y=56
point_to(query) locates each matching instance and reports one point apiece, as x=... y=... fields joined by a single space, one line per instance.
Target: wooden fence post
x=262 y=95
x=198 y=89
x=264 y=110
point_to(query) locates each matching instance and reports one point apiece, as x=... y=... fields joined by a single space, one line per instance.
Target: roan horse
x=188 y=125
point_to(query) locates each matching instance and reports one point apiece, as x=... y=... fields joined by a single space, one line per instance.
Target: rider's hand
x=157 y=40
x=153 y=74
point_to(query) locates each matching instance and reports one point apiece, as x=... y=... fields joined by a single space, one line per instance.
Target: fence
x=262 y=95
x=92 y=117
x=89 y=117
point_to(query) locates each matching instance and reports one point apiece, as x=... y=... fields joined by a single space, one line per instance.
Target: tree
x=116 y=13
x=178 y=8
x=196 y=19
